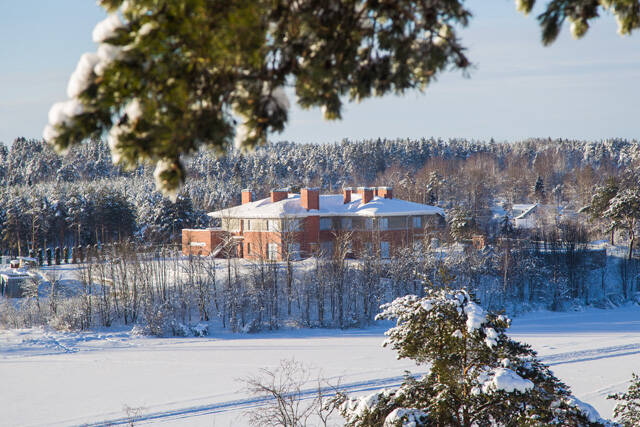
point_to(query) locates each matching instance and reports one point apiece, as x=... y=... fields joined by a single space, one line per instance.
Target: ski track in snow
x=356 y=387
x=240 y=404
x=591 y=354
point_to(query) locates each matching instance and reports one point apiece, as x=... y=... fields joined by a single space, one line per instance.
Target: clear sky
x=586 y=89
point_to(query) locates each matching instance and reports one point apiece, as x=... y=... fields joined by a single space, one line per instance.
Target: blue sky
x=585 y=89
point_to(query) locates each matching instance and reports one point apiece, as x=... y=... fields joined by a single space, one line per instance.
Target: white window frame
x=383 y=223
x=417 y=222
x=326 y=223
x=272 y=251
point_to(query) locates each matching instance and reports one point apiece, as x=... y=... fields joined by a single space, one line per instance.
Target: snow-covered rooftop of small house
x=330 y=205
x=14 y=272
x=523 y=209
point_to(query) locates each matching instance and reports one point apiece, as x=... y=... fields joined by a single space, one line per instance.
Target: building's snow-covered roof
x=561 y=211
x=522 y=210
x=14 y=273
x=330 y=205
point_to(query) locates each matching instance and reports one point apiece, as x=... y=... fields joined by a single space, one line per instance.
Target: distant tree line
x=48 y=200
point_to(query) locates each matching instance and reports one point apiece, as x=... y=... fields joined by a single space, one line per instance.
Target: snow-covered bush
x=157 y=318
x=477 y=374
x=10 y=317
x=200 y=330
x=179 y=329
x=69 y=315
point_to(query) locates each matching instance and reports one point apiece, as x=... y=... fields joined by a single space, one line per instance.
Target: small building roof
x=14 y=273
x=525 y=209
x=330 y=205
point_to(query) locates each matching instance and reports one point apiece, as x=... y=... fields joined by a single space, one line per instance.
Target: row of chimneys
x=310 y=197
x=367 y=193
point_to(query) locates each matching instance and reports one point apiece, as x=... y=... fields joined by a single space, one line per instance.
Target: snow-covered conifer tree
x=478 y=376
x=627 y=410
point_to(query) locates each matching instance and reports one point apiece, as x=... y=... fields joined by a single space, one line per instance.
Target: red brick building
x=300 y=225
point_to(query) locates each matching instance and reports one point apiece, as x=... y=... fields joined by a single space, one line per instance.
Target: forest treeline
x=82 y=198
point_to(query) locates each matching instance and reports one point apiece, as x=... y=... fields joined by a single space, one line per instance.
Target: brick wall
x=200 y=242
x=310 y=235
x=256 y=243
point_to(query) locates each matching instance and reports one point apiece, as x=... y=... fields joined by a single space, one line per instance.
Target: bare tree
x=339 y=271
x=290 y=251
x=292 y=396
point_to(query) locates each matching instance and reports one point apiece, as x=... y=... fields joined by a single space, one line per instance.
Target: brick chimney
x=310 y=198
x=385 y=192
x=346 y=195
x=277 y=195
x=247 y=196
x=366 y=194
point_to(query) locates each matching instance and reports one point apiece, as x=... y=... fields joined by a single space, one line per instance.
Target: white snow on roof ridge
x=527 y=210
x=330 y=205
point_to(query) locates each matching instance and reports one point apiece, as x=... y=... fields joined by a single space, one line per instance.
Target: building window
x=417 y=222
x=326 y=223
x=383 y=223
x=368 y=223
x=248 y=225
x=384 y=249
x=273 y=225
x=248 y=248
x=346 y=223
x=272 y=251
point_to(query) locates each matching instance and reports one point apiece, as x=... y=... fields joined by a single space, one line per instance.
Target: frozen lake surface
x=53 y=378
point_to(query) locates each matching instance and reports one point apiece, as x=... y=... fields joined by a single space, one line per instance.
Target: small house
x=13 y=282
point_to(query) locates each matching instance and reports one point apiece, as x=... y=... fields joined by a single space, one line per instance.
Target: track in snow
x=243 y=404
x=376 y=384
x=591 y=354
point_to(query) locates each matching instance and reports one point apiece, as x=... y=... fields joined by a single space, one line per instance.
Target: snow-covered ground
x=52 y=378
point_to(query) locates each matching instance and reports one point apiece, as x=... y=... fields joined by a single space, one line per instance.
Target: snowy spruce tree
x=478 y=376
x=539 y=193
x=627 y=410
x=461 y=223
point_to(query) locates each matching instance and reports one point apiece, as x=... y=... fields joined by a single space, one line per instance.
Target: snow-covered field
x=50 y=378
